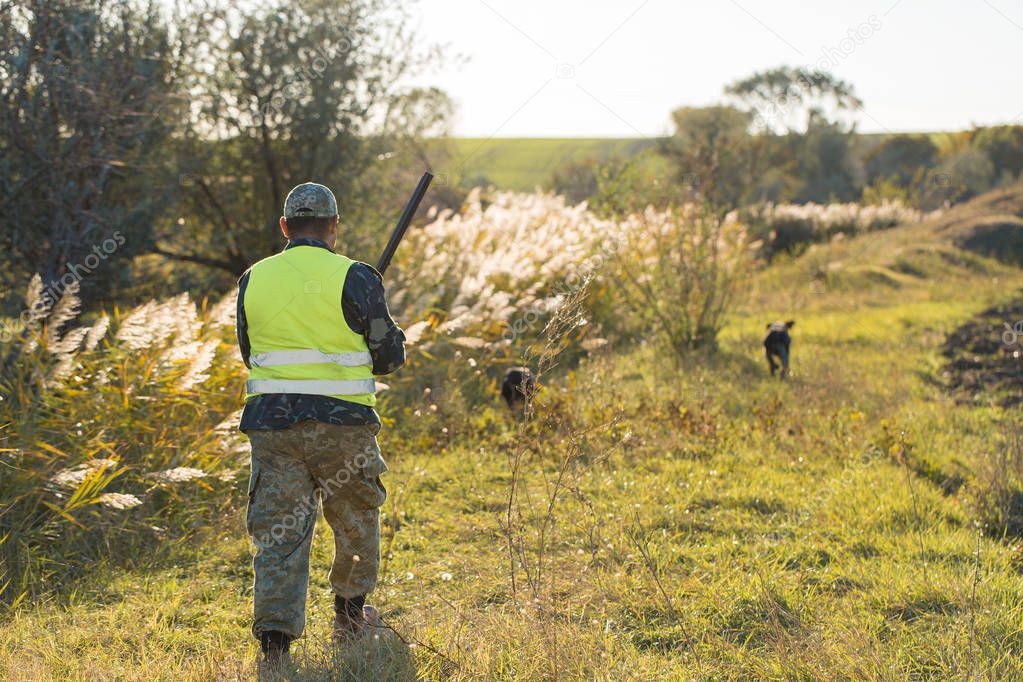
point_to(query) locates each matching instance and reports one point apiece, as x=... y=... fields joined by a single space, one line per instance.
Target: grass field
x=522 y=165
x=693 y=522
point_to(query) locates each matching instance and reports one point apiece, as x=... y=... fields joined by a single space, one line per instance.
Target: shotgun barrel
x=404 y=221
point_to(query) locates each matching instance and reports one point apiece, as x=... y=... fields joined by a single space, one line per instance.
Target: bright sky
x=616 y=68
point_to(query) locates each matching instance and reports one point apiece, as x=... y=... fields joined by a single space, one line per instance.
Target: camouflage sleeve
x=241 y=323
x=365 y=311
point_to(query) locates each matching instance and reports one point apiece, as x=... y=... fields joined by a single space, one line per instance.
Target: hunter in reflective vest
x=313 y=328
x=287 y=301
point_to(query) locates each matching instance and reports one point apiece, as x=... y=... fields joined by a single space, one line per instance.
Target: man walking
x=313 y=329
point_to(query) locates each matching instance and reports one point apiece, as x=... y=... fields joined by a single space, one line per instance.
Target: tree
x=788 y=99
x=802 y=142
x=1004 y=146
x=294 y=91
x=87 y=104
x=957 y=177
x=825 y=164
x=711 y=152
x=899 y=159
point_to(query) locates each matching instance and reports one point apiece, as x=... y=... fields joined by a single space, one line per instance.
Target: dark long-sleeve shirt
x=365 y=312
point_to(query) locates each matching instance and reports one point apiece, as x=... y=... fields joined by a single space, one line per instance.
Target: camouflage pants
x=293 y=470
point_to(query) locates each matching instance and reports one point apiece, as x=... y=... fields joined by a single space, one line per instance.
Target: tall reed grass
x=117 y=435
x=790 y=227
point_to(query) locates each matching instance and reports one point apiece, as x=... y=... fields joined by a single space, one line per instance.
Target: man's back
x=313 y=329
x=363 y=311
x=299 y=342
x=304 y=284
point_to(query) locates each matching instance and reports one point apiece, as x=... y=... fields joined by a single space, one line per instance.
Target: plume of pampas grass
x=229 y=440
x=180 y=351
x=593 y=344
x=73 y=477
x=65 y=310
x=35 y=303
x=176 y=475
x=469 y=342
x=64 y=349
x=415 y=332
x=96 y=333
x=202 y=360
x=138 y=332
x=229 y=426
x=38 y=307
x=182 y=315
x=119 y=501
x=67 y=344
x=224 y=311
x=152 y=323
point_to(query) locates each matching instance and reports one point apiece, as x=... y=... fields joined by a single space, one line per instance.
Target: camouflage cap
x=310 y=200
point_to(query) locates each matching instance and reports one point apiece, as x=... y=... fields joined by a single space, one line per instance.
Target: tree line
x=786 y=135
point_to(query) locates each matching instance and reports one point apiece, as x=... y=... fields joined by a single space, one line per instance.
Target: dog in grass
x=776 y=346
x=518 y=387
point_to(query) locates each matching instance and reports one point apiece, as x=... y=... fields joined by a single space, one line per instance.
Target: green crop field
x=524 y=164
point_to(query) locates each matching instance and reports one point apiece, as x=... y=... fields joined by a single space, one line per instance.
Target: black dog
x=518 y=387
x=776 y=345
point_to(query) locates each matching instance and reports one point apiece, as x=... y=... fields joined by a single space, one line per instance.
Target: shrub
x=678 y=272
x=788 y=228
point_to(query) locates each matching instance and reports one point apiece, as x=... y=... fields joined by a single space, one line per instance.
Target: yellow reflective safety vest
x=300 y=342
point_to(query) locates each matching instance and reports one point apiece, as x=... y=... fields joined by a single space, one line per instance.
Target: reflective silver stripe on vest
x=312 y=386
x=310 y=357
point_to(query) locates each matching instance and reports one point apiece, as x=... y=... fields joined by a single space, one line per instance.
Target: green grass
x=694 y=522
x=524 y=164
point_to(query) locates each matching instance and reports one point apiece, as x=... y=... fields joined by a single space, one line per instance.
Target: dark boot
x=274 y=646
x=353 y=618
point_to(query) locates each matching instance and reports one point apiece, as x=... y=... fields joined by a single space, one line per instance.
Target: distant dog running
x=518 y=387
x=776 y=346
